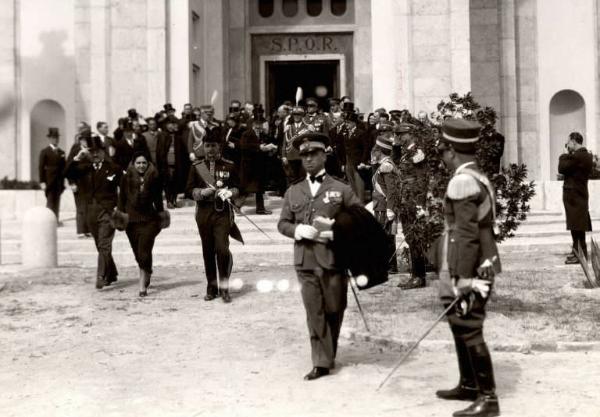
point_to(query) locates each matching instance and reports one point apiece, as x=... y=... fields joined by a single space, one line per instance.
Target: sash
x=489 y=203
x=208 y=178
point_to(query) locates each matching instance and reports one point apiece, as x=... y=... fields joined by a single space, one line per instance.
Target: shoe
x=413 y=283
x=460 y=393
x=111 y=280
x=484 y=406
x=210 y=297
x=264 y=211
x=81 y=236
x=571 y=260
x=143 y=293
x=316 y=372
x=100 y=283
x=88 y=235
x=226 y=297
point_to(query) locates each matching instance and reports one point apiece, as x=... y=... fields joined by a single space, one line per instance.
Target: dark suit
x=124 y=151
x=80 y=203
x=174 y=173
x=99 y=191
x=354 y=142
x=323 y=284
x=214 y=219
x=51 y=170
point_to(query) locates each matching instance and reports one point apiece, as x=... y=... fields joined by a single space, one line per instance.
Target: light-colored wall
x=8 y=93
x=47 y=68
x=566 y=60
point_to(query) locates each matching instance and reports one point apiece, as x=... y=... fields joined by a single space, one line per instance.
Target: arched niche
x=45 y=114
x=567 y=114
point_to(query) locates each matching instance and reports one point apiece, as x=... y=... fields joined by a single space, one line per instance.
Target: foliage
x=6 y=184
x=423 y=185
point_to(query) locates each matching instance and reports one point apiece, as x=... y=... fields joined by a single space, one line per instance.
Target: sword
x=239 y=211
x=360 y=310
x=413 y=347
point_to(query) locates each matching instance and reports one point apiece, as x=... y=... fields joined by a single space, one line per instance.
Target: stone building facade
x=534 y=61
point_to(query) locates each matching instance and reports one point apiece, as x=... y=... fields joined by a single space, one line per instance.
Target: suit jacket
x=124 y=152
x=51 y=168
x=576 y=168
x=182 y=159
x=299 y=206
x=354 y=142
x=97 y=186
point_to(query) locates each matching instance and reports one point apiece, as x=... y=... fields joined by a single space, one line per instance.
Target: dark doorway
x=318 y=79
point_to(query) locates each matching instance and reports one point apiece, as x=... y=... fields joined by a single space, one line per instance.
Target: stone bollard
x=38 y=239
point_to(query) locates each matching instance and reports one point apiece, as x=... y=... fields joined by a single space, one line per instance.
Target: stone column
x=100 y=57
x=363 y=78
x=460 y=46
x=178 y=53
x=508 y=81
x=216 y=52
x=390 y=22
x=156 y=55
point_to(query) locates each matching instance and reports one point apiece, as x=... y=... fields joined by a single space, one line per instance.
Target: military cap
x=462 y=134
x=380 y=110
x=404 y=128
x=258 y=116
x=385 y=126
x=311 y=141
x=233 y=116
x=171 y=119
x=207 y=108
x=334 y=100
x=53 y=132
x=234 y=109
x=385 y=141
x=311 y=101
x=395 y=113
x=298 y=110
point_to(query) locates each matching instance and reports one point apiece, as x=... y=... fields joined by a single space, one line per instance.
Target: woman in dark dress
x=140 y=198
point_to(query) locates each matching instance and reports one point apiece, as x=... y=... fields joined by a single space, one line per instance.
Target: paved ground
x=69 y=350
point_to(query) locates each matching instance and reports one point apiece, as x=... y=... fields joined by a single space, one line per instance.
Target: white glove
x=231 y=145
x=73 y=187
x=369 y=208
x=481 y=286
x=464 y=286
x=43 y=186
x=192 y=156
x=419 y=156
x=224 y=194
x=284 y=160
x=390 y=214
x=305 y=231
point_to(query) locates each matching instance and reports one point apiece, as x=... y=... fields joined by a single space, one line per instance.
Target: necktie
x=96 y=166
x=317 y=178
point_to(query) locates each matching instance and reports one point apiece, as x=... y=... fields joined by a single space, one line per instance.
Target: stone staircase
x=180 y=244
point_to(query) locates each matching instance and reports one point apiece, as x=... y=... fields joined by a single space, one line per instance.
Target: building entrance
x=318 y=79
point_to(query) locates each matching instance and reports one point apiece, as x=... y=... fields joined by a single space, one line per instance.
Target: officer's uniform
x=292 y=130
x=385 y=179
x=214 y=218
x=467 y=246
x=323 y=285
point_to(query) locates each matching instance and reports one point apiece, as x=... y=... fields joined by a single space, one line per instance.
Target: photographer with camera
x=576 y=166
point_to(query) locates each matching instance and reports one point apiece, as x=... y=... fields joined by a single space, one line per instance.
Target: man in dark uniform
x=353 y=158
x=294 y=127
x=51 y=170
x=212 y=183
x=98 y=178
x=468 y=262
x=576 y=166
x=317 y=120
x=172 y=161
x=385 y=179
x=323 y=284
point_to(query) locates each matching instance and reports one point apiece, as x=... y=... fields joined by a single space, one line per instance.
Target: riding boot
x=467 y=386
x=486 y=404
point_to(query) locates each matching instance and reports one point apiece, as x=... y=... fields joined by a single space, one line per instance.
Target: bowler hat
x=168 y=107
x=53 y=132
x=132 y=113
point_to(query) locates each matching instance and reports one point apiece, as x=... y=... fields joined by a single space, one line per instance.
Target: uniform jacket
x=469 y=223
x=253 y=161
x=576 y=168
x=318 y=121
x=299 y=206
x=51 y=168
x=292 y=131
x=100 y=186
x=383 y=182
x=232 y=135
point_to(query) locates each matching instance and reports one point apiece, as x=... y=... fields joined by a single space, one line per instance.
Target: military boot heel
x=486 y=404
x=466 y=390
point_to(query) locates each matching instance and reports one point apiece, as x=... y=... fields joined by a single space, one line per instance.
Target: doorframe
x=264 y=59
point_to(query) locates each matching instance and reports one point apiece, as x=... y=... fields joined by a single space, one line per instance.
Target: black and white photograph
x=303 y=208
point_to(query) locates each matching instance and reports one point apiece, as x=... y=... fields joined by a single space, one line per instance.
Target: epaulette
x=462 y=186
x=342 y=180
x=386 y=167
